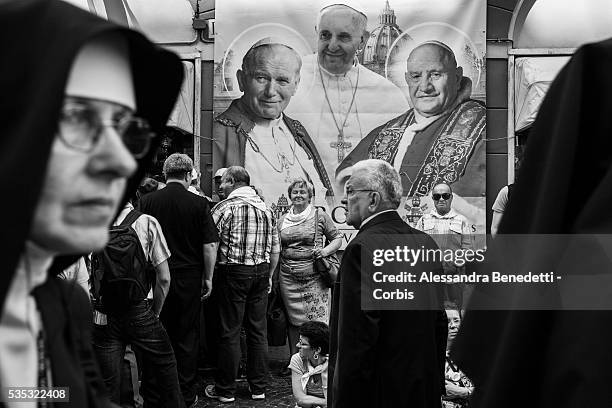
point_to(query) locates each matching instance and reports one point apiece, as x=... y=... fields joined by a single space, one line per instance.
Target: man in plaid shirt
x=450 y=230
x=248 y=254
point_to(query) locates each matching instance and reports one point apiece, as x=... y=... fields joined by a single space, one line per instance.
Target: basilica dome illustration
x=380 y=40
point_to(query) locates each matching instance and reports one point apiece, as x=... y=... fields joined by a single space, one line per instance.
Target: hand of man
x=207 y=288
x=270 y=285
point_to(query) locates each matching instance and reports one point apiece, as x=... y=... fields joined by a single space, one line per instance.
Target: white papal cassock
x=360 y=100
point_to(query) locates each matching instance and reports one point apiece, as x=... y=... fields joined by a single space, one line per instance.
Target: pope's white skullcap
x=270 y=41
x=357 y=5
x=436 y=43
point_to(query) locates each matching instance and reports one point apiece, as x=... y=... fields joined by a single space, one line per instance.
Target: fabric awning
x=533 y=76
x=182 y=116
x=163 y=21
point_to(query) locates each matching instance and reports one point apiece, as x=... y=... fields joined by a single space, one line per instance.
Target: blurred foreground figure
x=69 y=126
x=554 y=358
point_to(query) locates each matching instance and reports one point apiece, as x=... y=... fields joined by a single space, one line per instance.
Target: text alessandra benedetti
x=493 y=277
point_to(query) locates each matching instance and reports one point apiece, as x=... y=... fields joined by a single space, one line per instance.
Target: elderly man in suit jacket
x=395 y=356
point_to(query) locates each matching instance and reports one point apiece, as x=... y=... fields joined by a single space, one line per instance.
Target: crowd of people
x=153 y=253
x=232 y=251
x=154 y=250
x=251 y=243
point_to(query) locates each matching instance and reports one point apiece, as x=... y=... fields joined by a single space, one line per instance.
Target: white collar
x=426 y=120
x=352 y=71
x=124 y=212
x=372 y=216
x=269 y=123
x=20 y=320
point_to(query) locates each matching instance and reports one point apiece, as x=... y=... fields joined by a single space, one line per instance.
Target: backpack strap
x=130 y=218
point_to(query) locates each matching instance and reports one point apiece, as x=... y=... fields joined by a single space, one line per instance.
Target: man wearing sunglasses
x=451 y=231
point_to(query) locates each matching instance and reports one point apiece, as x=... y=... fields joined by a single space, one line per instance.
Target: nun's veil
x=39 y=39
x=554 y=358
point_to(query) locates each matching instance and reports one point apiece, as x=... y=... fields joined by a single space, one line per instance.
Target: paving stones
x=278 y=393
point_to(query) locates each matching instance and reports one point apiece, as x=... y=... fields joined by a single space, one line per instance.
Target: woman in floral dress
x=305 y=296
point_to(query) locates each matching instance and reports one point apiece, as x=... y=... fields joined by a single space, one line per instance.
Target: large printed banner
x=307 y=89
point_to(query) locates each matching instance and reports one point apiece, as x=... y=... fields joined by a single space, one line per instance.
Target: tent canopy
x=163 y=21
x=533 y=76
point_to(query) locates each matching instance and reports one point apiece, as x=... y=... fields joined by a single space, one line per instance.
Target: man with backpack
x=122 y=276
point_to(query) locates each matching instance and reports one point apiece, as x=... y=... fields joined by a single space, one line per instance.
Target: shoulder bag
x=326 y=266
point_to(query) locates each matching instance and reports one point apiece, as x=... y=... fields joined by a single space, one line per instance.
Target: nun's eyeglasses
x=81 y=125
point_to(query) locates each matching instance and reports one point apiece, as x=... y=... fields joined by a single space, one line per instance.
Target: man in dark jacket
x=390 y=357
x=192 y=238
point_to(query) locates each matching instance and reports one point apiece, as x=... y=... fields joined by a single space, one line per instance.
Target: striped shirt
x=247 y=235
x=450 y=231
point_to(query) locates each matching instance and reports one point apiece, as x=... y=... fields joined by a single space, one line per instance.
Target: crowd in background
x=84 y=148
x=251 y=253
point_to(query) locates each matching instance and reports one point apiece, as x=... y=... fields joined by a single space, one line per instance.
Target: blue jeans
x=138 y=327
x=242 y=296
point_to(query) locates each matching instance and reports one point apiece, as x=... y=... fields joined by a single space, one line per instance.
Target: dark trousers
x=293 y=334
x=242 y=297
x=210 y=318
x=140 y=328
x=129 y=385
x=453 y=293
x=209 y=327
x=181 y=318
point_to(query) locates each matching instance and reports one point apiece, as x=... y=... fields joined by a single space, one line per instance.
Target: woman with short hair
x=305 y=295
x=309 y=365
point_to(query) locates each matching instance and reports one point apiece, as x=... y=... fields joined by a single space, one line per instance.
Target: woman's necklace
x=340 y=144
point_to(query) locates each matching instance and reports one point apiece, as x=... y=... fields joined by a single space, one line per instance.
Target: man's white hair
x=380 y=176
x=359 y=18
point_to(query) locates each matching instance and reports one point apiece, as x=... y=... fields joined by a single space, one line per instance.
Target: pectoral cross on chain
x=341 y=145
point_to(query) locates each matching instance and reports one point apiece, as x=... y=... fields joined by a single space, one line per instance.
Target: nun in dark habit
x=560 y=357
x=81 y=101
